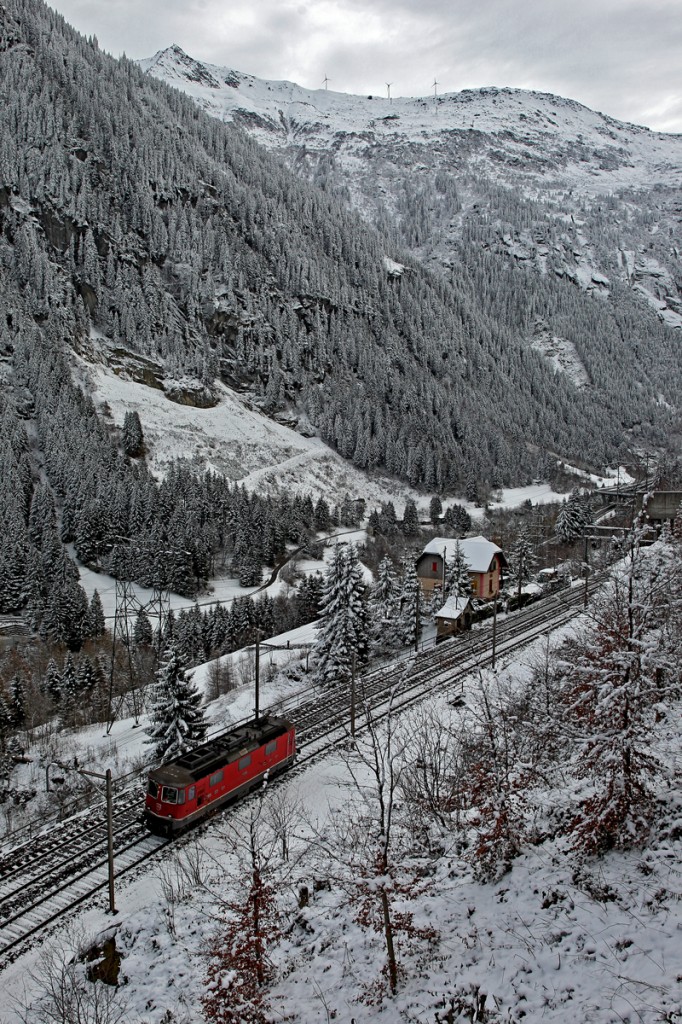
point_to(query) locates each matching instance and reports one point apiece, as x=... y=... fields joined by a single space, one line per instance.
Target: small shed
x=453 y=617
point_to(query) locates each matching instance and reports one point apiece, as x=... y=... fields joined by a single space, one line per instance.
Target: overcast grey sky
x=623 y=57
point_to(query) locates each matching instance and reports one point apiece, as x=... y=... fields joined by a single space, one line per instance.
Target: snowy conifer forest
x=255 y=351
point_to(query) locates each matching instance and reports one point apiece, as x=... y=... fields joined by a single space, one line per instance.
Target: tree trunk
x=390 y=948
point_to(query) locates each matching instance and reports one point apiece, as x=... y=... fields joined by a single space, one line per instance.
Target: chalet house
x=453 y=617
x=484 y=560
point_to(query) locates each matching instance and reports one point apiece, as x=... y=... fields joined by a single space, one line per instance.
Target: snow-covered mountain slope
x=540 y=179
x=235 y=439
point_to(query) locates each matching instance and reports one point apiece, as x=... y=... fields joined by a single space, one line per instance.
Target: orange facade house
x=484 y=560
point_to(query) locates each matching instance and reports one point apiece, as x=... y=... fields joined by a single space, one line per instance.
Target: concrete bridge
x=660 y=506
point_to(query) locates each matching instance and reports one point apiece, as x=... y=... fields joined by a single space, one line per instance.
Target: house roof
x=477 y=552
x=453 y=607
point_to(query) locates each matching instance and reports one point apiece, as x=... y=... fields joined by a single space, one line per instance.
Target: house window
x=245 y=761
x=474 y=586
x=434 y=566
x=490 y=585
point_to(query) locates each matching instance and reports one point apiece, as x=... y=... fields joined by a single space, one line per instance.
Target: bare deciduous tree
x=61 y=992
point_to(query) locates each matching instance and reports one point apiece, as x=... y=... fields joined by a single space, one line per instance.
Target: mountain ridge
x=553 y=153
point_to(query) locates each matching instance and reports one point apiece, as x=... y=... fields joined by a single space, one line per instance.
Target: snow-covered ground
x=557 y=938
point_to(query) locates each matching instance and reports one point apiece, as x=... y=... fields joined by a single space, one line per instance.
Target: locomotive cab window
x=153 y=789
x=168 y=795
x=191 y=792
x=245 y=761
x=216 y=778
x=271 y=747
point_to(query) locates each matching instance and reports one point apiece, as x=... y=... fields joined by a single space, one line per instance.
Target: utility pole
x=587 y=573
x=352 y=696
x=492 y=663
x=257 y=708
x=417 y=624
x=106 y=777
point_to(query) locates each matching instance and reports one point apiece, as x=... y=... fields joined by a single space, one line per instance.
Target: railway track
x=54 y=874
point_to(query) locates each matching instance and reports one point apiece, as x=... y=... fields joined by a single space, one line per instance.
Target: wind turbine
x=435 y=88
x=325 y=81
x=388 y=90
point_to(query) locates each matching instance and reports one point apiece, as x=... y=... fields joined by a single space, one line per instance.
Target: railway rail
x=54 y=874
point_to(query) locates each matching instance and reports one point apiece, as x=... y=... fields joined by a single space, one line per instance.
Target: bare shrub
x=62 y=993
x=246 y=670
x=220 y=678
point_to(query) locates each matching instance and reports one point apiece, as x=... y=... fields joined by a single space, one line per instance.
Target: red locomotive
x=191 y=787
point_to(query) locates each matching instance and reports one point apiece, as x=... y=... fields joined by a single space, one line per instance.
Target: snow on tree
x=143 y=631
x=68 y=695
x=240 y=961
x=435 y=509
x=18 y=699
x=96 y=624
x=370 y=853
x=384 y=606
x=523 y=559
x=177 y=717
x=410 y=608
x=410 y=519
x=498 y=777
x=457 y=576
x=343 y=632
x=569 y=523
x=573 y=518
x=456 y=520
x=610 y=695
x=132 y=436
x=677 y=523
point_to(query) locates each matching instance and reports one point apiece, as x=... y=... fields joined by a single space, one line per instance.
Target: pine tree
x=343 y=632
x=17 y=706
x=410 y=519
x=384 y=607
x=132 y=436
x=68 y=695
x=435 y=509
x=456 y=520
x=52 y=682
x=569 y=523
x=410 y=604
x=95 y=622
x=177 y=721
x=611 y=693
x=574 y=516
x=457 y=575
x=142 y=629
x=523 y=559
